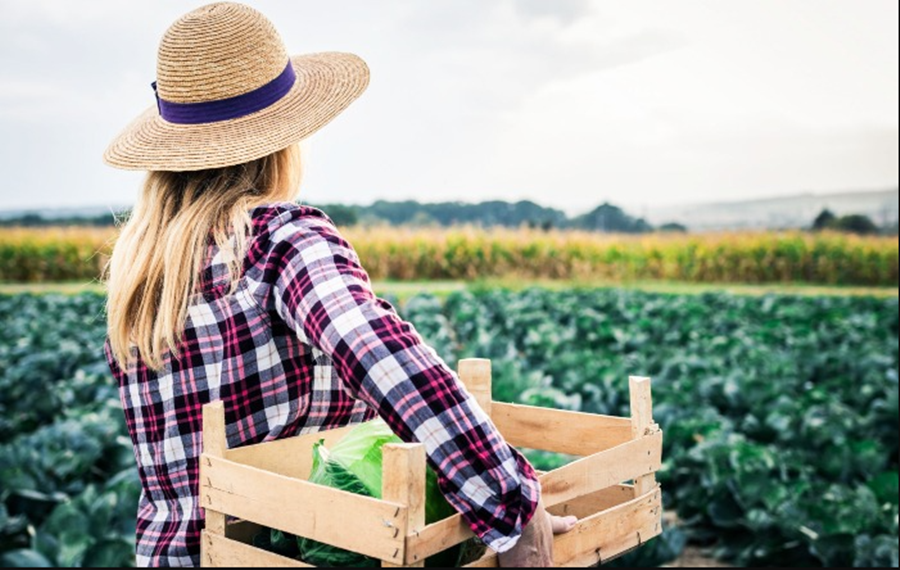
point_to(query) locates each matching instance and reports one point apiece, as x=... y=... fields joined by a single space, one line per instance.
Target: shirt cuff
x=531 y=494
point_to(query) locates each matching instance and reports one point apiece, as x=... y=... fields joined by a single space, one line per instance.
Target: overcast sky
x=565 y=102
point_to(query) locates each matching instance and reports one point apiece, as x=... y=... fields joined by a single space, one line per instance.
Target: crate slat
x=369 y=526
x=222 y=552
x=215 y=443
x=437 y=536
x=291 y=456
x=475 y=374
x=601 y=470
x=403 y=481
x=560 y=431
x=641 y=421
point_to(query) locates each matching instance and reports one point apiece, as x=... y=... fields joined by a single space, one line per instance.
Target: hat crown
x=218 y=51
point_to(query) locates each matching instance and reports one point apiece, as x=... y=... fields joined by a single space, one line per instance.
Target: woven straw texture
x=220 y=51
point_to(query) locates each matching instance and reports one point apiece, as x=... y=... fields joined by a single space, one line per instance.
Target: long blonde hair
x=158 y=257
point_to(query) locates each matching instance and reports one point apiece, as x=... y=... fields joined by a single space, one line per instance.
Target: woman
x=222 y=288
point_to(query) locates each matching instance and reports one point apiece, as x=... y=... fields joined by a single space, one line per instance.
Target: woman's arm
x=323 y=293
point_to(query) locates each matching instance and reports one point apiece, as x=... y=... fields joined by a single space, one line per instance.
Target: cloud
x=564 y=11
x=28 y=100
x=562 y=100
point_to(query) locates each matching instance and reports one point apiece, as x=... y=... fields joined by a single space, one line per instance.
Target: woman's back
x=300 y=345
x=235 y=349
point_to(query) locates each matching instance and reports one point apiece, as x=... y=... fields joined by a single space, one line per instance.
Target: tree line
x=850 y=223
x=494 y=213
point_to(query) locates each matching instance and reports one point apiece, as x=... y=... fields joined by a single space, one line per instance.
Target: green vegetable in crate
x=354 y=464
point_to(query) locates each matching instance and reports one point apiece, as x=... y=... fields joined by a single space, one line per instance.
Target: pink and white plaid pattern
x=305 y=345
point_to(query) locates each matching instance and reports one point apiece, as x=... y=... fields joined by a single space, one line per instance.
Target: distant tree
x=673 y=227
x=31 y=220
x=641 y=226
x=341 y=215
x=825 y=220
x=395 y=213
x=37 y=220
x=486 y=214
x=609 y=218
x=491 y=213
x=423 y=220
x=856 y=224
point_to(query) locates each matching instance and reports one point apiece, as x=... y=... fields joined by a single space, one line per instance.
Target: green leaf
x=24 y=558
x=724 y=512
x=110 y=553
x=46 y=544
x=886 y=487
x=878 y=552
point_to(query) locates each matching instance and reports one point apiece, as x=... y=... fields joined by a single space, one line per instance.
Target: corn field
x=61 y=254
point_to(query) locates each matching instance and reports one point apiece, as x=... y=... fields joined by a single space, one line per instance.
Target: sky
x=568 y=103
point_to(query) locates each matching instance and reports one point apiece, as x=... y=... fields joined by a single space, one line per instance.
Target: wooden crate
x=266 y=485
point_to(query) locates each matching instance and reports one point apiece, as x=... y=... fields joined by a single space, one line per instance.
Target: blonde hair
x=160 y=252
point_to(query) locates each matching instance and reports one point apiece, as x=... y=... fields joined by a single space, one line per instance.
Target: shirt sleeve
x=323 y=293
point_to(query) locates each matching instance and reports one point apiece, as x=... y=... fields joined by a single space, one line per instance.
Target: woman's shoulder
x=288 y=237
x=270 y=219
x=281 y=226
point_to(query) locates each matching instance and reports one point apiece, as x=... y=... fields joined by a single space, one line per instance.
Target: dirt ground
x=693 y=557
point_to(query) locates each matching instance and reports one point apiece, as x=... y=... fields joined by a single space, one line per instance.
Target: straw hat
x=227 y=92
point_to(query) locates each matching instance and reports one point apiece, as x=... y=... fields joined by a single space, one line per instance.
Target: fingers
x=562 y=525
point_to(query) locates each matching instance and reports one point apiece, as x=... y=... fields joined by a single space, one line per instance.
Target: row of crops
x=780 y=414
x=68 y=484
x=37 y=255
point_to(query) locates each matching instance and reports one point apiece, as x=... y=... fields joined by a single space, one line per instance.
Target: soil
x=693 y=557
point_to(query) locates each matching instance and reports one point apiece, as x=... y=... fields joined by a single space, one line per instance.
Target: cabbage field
x=780 y=414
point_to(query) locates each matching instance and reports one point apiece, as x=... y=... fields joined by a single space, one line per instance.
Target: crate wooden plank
x=290 y=456
x=215 y=443
x=403 y=481
x=437 y=536
x=475 y=374
x=362 y=524
x=561 y=431
x=641 y=420
x=622 y=463
x=221 y=552
x=603 y=535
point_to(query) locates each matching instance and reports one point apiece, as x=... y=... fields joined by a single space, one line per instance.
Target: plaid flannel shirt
x=305 y=345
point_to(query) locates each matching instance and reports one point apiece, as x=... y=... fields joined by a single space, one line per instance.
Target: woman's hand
x=535 y=546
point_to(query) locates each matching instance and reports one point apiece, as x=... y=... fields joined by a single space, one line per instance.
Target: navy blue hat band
x=231 y=108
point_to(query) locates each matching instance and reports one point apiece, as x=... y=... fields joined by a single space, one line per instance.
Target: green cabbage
x=354 y=465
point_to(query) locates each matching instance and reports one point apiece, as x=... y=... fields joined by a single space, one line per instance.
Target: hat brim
x=326 y=84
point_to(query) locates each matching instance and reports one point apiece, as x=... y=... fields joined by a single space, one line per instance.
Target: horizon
x=630 y=211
